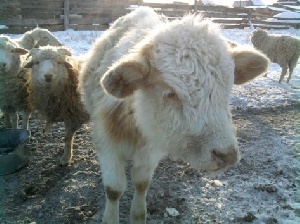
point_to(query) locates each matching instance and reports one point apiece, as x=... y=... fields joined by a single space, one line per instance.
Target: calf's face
x=181 y=80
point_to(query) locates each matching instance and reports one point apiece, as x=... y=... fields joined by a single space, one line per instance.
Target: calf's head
x=180 y=78
x=49 y=65
x=10 y=54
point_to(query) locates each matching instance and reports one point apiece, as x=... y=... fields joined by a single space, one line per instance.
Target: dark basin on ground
x=12 y=155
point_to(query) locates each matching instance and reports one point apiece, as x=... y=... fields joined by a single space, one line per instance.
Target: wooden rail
x=19 y=16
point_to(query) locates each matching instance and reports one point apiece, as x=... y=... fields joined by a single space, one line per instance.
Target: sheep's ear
x=126 y=76
x=68 y=64
x=249 y=63
x=29 y=65
x=20 y=51
x=64 y=51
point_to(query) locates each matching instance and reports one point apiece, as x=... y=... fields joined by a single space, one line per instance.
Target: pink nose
x=48 y=77
x=226 y=159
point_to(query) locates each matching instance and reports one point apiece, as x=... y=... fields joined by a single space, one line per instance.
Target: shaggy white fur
x=155 y=88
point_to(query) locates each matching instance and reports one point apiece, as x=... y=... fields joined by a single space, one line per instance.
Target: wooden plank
x=84 y=4
x=89 y=27
x=229 y=20
x=53 y=28
x=172 y=13
x=42 y=5
x=38 y=14
x=91 y=20
x=169 y=6
x=270 y=27
x=28 y=22
x=273 y=23
x=234 y=26
x=222 y=15
x=120 y=11
x=41 y=1
x=9 y=3
x=9 y=12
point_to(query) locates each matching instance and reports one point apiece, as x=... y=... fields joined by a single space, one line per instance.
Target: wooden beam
x=66 y=14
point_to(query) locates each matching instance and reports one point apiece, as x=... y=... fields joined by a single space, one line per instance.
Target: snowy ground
x=261 y=189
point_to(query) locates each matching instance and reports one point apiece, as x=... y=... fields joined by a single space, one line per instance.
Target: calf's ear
x=126 y=76
x=249 y=63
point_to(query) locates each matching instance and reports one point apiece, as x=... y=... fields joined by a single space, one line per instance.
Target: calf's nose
x=225 y=159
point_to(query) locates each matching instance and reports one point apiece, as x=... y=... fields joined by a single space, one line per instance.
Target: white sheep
x=37 y=37
x=155 y=88
x=13 y=83
x=54 y=91
x=281 y=49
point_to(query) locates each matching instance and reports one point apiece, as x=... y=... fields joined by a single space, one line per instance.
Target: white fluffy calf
x=156 y=88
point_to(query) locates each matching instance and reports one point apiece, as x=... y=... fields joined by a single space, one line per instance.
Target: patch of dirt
x=261 y=187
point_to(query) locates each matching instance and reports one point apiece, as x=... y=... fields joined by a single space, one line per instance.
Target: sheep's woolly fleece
x=13 y=83
x=262 y=189
x=281 y=49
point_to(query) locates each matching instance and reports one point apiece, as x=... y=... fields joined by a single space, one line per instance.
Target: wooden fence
x=19 y=16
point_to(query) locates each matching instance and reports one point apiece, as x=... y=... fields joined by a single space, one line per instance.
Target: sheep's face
x=43 y=37
x=180 y=79
x=10 y=54
x=49 y=66
x=46 y=38
x=258 y=36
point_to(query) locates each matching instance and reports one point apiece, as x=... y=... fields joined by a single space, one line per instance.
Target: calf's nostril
x=225 y=159
x=48 y=77
x=218 y=157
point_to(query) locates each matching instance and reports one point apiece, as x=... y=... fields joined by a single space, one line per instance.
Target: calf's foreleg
x=144 y=164
x=114 y=181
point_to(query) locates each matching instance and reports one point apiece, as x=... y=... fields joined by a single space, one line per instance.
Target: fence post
x=195 y=6
x=66 y=14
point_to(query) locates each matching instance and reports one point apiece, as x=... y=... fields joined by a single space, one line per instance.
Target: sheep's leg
x=290 y=74
x=25 y=119
x=14 y=118
x=283 y=73
x=47 y=127
x=8 y=123
x=114 y=181
x=144 y=164
x=68 y=149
